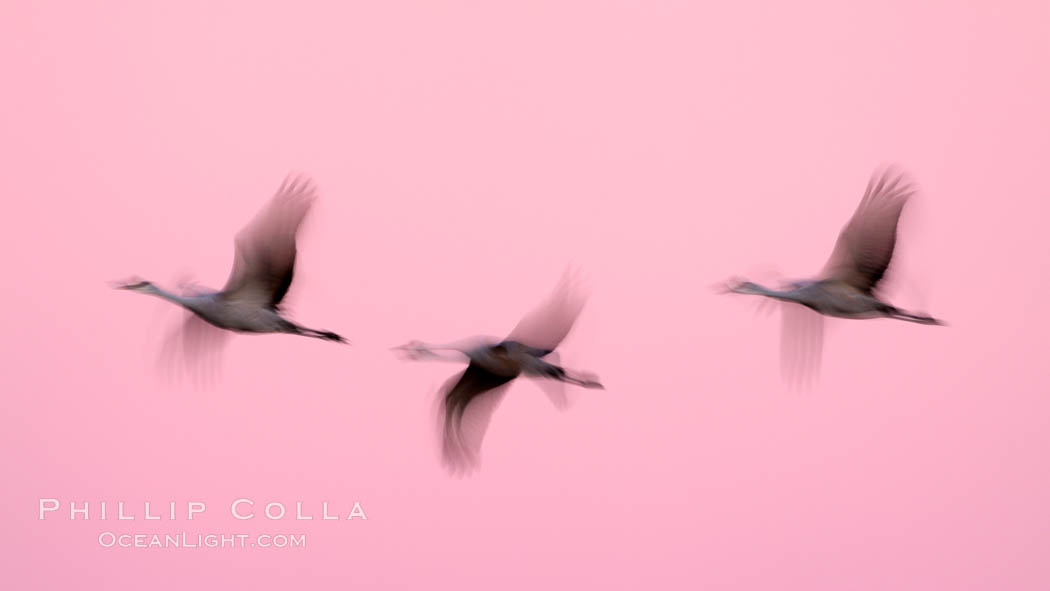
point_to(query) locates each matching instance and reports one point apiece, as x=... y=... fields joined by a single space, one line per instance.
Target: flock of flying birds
x=264 y=264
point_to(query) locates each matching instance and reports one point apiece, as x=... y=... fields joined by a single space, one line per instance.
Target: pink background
x=465 y=155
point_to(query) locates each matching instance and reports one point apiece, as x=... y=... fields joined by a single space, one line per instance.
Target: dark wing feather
x=865 y=246
x=547 y=325
x=264 y=251
x=467 y=407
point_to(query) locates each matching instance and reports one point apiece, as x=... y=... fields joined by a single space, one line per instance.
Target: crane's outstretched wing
x=466 y=410
x=264 y=251
x=865 y=246
x=548 y=324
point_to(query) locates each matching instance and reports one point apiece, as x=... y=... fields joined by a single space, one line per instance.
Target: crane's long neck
x=445 y=351
x=788 y=295
x=185 y=301
x=434 y=352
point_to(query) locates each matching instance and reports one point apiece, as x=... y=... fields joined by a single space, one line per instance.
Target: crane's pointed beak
x=721 y=288
x=134 y=283
x=733 y=285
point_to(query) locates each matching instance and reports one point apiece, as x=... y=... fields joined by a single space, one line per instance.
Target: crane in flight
x=470 y=398
x=263 y=267
x=848 y=285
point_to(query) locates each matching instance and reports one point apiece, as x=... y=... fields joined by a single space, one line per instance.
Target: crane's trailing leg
x=320 y=334
x=584 y=380
x=548 y=370
x=918 y=318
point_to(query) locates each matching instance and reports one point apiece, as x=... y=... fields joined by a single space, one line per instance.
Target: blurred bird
x=848 y=285
x=470 y=398
x=264 y=261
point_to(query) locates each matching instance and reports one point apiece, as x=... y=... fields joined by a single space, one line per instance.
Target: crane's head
x=741 y=286
x=136 y=285
x=414 y=350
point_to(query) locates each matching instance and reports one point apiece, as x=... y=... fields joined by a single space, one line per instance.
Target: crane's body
x=834 y=298
x=506 y=358
x=232 y=315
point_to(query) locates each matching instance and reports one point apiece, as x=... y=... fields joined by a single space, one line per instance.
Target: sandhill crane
x=847 y=287
x=470 y=398
x=264 y=262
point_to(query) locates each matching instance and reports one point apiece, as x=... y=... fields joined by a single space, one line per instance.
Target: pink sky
x=466 y=152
